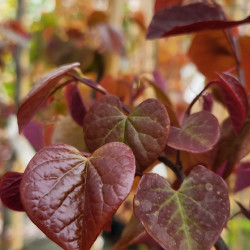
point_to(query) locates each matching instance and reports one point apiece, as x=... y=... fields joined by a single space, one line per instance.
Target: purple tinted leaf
x=235 y=99
x=34 y=133
x=70 y=197
x=145 y=130
x=9 y=190
x=190 y=218
x=184 y=19
x=243 y=177
x=75 y=103
x=199 y=133
x=207 y=104
x=40 y=93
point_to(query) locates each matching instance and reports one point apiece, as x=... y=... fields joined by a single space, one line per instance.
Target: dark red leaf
x=70 y=197
x=9 y=190
x=75 y=103
x=207 y=104
x=189 y=218
x=199 y=133
x=184 y=19
x=161 y=4
x=235 y=99
x=243 y=177
x=34 y=133
x=145 y=130
x=39 y=94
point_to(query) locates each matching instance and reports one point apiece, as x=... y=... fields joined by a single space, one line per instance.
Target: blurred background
x=107 y=37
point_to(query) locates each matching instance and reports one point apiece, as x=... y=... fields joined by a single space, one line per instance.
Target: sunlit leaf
x=9 y=190
x=161 y=4
x=217 y=55
x=178 y=20
x=70 y=197
x=199 y=133
x=145 y=130
x=190 y=218
x=39 y=94
x=235 y=99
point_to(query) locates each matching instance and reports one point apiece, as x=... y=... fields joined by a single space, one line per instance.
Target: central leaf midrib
x=186 y=232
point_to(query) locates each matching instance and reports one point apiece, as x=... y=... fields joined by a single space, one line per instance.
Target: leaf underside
x=190 y=218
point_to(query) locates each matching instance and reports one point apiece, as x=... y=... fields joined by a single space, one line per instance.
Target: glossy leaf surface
x=145 y=130
x=70 y=197
x=190 y=218
x=184 y=19
x=75 y=103
x=9 y=190
x=235 y=99
x=199 y=133
x=39 y=94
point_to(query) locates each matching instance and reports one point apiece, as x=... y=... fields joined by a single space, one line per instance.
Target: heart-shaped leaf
x=235 y=99
x=70 y=197
x=39 y=94
x=75 y=103
x=199 y=133
x=9 y=190
x=181 y=19
x=145 y=130
x=190 y=218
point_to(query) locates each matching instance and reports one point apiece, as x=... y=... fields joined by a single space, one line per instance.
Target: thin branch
x=220 y=244
x=175 y=168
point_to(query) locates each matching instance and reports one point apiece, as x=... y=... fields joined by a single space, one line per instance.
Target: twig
x=220 y=244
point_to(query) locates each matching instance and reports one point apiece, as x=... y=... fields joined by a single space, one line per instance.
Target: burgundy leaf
x=145 y=130
x=243 y=177
x=9 y=190
x=75 y=103
x=199 y=133
x=207 y=104
x=235 y=99
x=70 y=197
x=34 y=133
x=190 y=218
x=195 y=17
x=40 y=93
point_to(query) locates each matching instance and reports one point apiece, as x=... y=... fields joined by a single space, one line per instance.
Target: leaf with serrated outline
x=199 y=133
x=40 y=93
x=145 y=130
x=71 y=197
x=190 y=218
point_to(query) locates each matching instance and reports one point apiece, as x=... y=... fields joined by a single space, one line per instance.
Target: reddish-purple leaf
x=190 y=218
x=75 y=103
x=243 y=177
x=235 y=99
x=182 y=19
x=40 y=93
x=70 y=197
x=9 y=190
x=34 y=133
x=199 y=133
x=207 y=104
x=145 y=130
